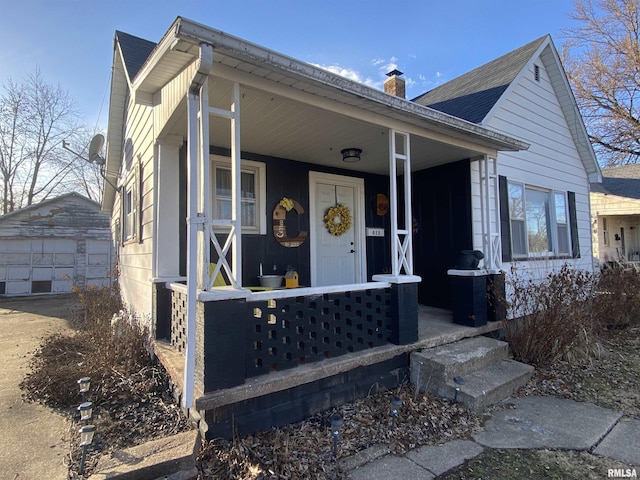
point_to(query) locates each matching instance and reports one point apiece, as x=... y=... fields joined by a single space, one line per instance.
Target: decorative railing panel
x=179 y=320
x=286 y=332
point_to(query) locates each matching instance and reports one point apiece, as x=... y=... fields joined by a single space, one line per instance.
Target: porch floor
x=435 y=328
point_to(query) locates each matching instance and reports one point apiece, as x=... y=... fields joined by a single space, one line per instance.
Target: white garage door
x=37 y=266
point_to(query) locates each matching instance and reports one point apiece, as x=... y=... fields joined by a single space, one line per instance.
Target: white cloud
x=351 y=74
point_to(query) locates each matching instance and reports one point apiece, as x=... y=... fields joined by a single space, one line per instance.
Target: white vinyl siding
x=531 y=112
x=135 y=259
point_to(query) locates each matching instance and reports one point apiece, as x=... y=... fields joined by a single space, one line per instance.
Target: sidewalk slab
x=442 y=458
x=622 y=442
x=547 y=422
x=391 y=467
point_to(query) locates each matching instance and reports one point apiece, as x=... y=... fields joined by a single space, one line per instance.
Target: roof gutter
x=205 y=61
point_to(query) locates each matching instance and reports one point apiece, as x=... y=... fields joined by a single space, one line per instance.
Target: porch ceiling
x=278 y=126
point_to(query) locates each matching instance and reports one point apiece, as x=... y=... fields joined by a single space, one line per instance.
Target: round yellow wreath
x=338 y=219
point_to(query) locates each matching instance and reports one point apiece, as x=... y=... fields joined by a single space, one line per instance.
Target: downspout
x=194 y=220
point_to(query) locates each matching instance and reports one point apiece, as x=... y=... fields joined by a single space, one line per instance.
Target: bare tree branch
x=602 y=60
x=35 y=117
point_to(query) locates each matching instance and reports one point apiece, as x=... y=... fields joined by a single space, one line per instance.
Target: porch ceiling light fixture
x=351 y=155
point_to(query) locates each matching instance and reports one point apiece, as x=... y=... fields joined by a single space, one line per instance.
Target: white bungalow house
x=615 y=206
x=227 y=158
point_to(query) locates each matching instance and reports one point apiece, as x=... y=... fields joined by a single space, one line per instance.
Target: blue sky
x=71 y=41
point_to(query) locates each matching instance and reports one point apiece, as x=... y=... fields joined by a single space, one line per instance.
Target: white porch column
x=401 y=237
x=236 y=186
x=166 y=213
x=234 y=225
x=490 y=212
x=204 y=188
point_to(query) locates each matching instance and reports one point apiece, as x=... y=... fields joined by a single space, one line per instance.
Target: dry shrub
x=617 y=300
x=554 y=317
x=106 y=353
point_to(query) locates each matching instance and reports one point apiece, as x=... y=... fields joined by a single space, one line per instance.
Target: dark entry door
x=442 y=209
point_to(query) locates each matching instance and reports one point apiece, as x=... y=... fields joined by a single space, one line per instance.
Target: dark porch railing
x=284 y=333
x=243 y=338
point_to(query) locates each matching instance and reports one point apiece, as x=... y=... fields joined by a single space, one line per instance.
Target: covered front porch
x=255 y=129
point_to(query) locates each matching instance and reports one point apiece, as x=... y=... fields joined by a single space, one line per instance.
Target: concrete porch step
x=489 y=385
x=478 y=366
x=434 y=367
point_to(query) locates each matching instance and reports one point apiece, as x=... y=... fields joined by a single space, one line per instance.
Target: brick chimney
x=394 y=84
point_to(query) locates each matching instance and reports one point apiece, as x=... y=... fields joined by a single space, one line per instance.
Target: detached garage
x=50 y=246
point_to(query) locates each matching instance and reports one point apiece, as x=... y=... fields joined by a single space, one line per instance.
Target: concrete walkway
x=524 y=423
x=35 y=440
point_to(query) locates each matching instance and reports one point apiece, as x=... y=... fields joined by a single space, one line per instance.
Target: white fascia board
x=117 y=105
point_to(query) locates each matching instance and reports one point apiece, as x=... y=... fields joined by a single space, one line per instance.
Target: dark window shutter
x=573 y=225
x=505 y=224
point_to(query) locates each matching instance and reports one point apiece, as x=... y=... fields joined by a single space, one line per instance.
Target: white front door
x=336 y=259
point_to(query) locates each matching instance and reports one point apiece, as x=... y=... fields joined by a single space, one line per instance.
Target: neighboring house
x=615 y=206
x=227 y=158
x=544 y=190
x=55 y=244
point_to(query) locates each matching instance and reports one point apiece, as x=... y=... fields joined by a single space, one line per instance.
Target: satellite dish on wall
x=95 y=147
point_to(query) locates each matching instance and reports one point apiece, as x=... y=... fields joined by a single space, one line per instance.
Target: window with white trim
x=129 y=211
x=252 y=192
x=539 y=221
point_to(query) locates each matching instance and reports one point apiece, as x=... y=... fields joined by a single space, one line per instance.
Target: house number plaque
x=280 y=226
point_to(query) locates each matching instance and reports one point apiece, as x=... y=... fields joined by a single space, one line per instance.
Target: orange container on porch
x=291 y=279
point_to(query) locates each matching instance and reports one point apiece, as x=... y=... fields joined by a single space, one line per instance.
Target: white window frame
x=553 y=223
x=259 y=171
x=129 y=211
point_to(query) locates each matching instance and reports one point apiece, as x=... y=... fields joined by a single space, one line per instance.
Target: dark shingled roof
x=135 y=51
x=621 y=181
x=472 y=95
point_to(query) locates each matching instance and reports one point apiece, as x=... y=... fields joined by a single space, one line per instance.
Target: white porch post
x=204 y=187
x=401 y=238
x=490 y=212
x=236 y=186
x=234 y=226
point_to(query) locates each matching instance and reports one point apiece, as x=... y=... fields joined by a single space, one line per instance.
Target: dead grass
x=130 y=390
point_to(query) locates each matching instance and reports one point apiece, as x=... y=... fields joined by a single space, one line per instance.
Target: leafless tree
x=35 y=117
x=602 y=59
